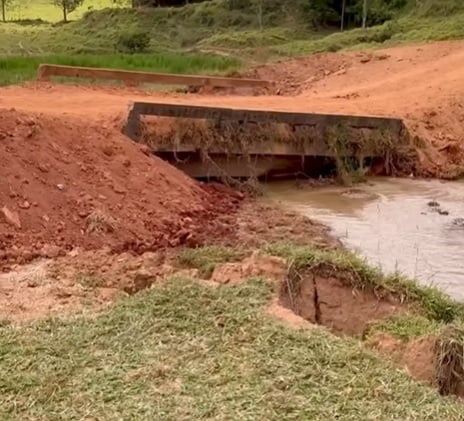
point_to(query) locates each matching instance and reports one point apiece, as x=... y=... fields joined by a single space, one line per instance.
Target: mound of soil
x=296 y=76
x=68 y=183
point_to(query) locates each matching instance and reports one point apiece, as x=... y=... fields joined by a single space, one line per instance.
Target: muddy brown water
x=392 y=224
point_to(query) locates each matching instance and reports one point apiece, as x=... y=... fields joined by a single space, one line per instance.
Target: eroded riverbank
x=406 y=225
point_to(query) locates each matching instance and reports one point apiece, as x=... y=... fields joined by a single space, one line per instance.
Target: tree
x=259 y=12
x=364 y=18
x=67 y=6
x=342 y=25
x=5 y=4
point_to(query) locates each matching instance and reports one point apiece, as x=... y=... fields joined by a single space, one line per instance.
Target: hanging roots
x=449 y=360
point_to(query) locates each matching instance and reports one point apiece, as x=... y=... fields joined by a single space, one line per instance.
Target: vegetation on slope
x=294 y=25
x=232 y=27
x=188 y=351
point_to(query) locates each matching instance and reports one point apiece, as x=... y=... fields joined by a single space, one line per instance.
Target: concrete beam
x=46 y=71
x=319 y=121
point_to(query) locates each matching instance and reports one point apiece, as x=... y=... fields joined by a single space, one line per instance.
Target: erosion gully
x=412 y=226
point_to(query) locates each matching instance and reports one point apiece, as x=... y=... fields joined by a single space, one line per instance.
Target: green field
x=186 y=350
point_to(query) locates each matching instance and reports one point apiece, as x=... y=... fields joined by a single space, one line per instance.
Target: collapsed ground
x=108 y=221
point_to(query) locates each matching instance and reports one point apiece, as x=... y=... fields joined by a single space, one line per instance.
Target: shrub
x=133 y=42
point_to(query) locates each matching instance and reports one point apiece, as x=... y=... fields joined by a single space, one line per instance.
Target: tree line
x=67 y=6
x=342 y=13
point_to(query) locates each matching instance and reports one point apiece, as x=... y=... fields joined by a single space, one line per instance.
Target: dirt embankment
x=67 y=183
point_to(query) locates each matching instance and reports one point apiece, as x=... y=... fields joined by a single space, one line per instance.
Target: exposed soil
x=261 y=224
x=416 y=356
x=68 y=183
x=256 y=265
x=325 y=297
x=287 y=316
x=83 y=278
x=79 y=281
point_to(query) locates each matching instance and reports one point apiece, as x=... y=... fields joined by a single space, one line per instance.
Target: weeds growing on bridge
x=350 y=147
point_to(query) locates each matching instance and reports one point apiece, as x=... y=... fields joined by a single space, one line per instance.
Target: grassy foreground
x=189 y=351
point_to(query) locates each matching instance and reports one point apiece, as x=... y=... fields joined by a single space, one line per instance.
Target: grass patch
x=19 y=69
x=186 y=351
x=404 y=30
x=406 y=327
x=205 y=259
x=249 y=38
x=435 y=304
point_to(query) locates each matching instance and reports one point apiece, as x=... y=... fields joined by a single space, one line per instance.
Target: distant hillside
x=256 y=28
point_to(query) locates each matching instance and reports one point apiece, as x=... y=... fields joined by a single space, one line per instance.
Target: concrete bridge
x=255 y=144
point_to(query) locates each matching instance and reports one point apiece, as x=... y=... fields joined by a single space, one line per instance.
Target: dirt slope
x=422 y=84
x=68 y=183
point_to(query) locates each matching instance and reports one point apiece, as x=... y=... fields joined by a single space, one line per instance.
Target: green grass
x=406 y=327
x=19 y=69
x=435 y=304
x=404 y=30
x=185 y=351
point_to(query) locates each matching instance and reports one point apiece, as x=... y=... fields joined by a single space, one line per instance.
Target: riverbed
x=404 y=225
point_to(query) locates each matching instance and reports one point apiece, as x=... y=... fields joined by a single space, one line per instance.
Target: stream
x=405 y=225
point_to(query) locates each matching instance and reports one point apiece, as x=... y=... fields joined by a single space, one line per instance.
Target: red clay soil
x=330 y=300
x=67 y=183
x=421 y=84
x=417 y=356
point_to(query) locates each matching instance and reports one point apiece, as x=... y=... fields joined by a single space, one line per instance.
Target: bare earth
x=422 y=84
